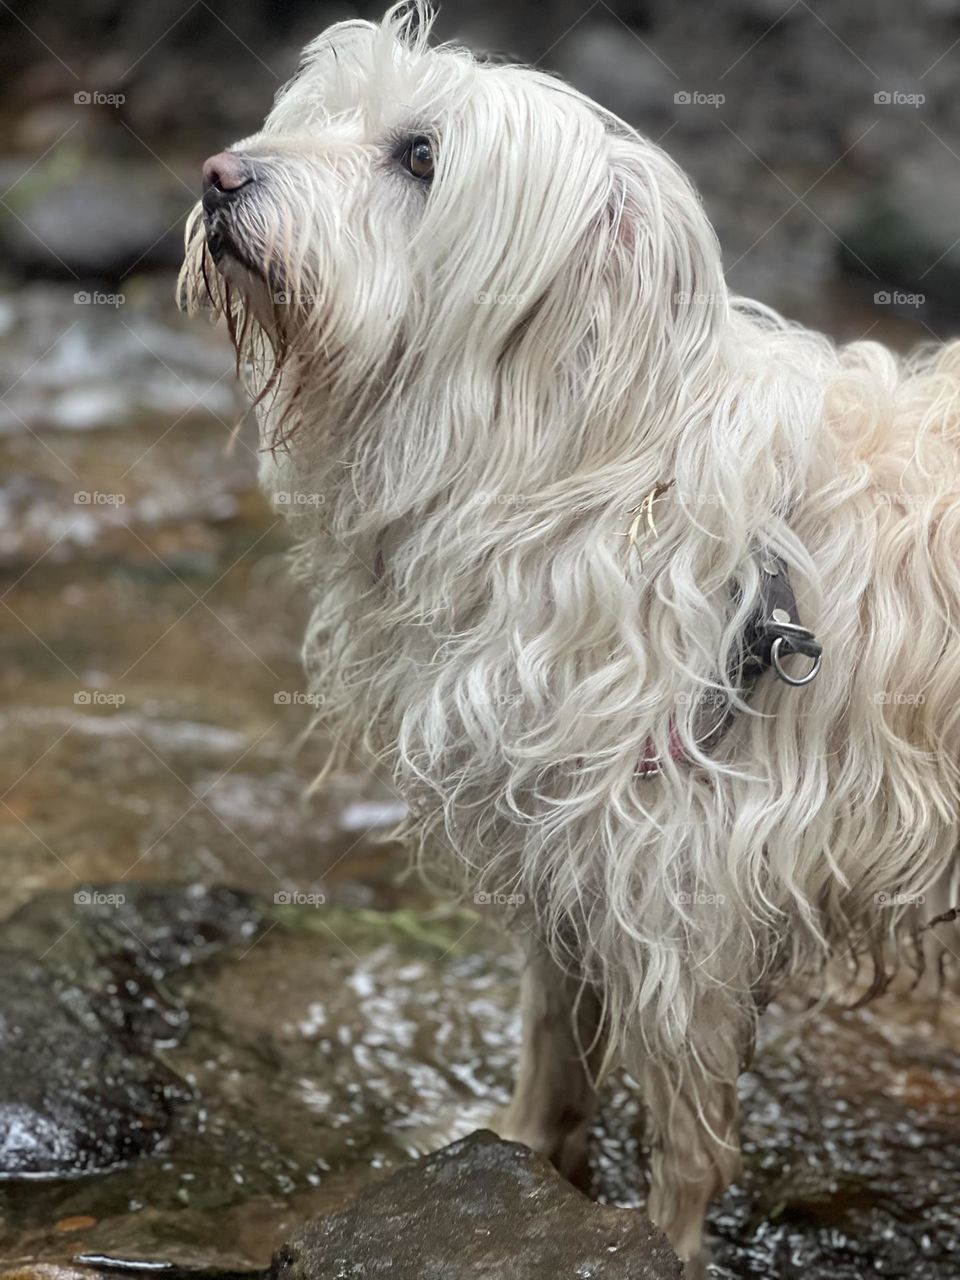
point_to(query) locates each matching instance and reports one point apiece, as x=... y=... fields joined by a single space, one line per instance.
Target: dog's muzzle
x=227 y=179
x=223 y=176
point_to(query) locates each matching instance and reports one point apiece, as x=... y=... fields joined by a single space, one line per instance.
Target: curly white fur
x=464 y=388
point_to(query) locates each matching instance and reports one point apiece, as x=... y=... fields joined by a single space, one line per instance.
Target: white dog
x=565 y=508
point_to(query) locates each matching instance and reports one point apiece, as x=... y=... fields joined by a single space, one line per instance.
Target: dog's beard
x=228 y=248
x=274 y=319
x=225 y=269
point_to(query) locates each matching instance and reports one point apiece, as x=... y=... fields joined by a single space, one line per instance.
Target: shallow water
x=150 y=715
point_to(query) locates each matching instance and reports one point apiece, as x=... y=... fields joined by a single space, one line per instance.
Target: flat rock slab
x=479 y=1209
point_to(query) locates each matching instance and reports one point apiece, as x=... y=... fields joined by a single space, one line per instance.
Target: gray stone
x=479 y=1209
x=94 y=224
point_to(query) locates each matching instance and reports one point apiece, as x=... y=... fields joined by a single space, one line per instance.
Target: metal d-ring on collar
x=777 y=630
x=785 y=676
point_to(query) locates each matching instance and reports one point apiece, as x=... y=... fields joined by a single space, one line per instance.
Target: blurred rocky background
x=824 y=137
x=222 y=1006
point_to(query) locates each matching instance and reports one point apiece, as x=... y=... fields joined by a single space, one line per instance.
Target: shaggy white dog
x=488 y=334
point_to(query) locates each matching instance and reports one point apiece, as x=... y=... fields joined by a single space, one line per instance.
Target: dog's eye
x=418 y=158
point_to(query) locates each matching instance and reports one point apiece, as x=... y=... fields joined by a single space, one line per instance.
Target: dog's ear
x=619 y=339
x=623 y=339
x=662 y=272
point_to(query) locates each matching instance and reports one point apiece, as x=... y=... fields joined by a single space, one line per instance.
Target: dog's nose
x=226 y=172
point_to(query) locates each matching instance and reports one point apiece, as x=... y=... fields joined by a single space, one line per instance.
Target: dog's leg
x=695 y=1125
x=554 y=1099
x=941 y=942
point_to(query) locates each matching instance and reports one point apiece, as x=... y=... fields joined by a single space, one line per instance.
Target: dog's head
x=411 y=219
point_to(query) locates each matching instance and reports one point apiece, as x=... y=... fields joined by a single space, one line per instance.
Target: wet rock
x=44 y=1271
x=93 y=225
x=480 y=1209
x=322 y=1051
x=72 y=1098
x=83 y=1010
x=334 y=1044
